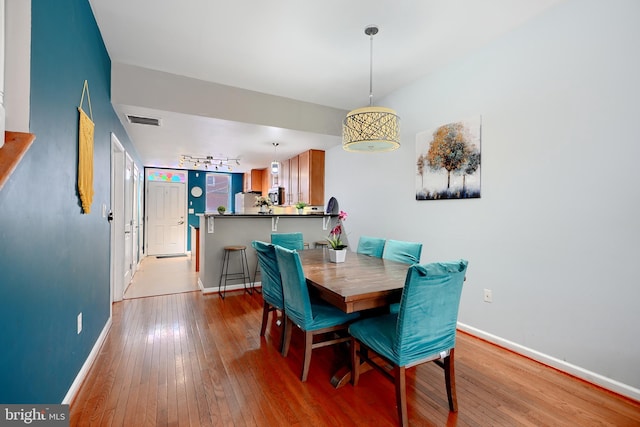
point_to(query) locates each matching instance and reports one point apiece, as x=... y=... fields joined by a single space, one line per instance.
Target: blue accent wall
x=54 y=260
x=199 y=204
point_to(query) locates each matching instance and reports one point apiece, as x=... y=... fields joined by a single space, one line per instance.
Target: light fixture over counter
x=208 y=162
x=371 y=129
x=275 y=165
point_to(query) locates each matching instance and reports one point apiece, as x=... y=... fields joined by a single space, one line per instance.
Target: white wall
x=555 y=234
x=17 y=64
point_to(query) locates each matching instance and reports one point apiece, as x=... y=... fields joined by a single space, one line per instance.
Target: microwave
x=276 y=195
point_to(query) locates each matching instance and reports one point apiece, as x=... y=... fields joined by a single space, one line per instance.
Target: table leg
x=343 y=374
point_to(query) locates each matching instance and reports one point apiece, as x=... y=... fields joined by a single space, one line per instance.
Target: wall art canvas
x=448 y=161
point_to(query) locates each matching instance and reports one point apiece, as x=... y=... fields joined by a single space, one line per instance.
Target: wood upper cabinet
x=252 y=181
x=311 y=177
x=294 y=188
x=302 y=177
x=266 y=181
x=284 y=181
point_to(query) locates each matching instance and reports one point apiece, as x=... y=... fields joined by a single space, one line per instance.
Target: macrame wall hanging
x=85 y=153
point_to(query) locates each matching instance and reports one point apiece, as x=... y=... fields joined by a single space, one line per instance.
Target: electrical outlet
x=487 y=295
x=79 y=323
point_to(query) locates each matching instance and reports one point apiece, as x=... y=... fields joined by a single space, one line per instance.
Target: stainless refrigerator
x=245 y=203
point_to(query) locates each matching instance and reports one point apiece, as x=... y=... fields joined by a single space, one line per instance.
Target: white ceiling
x=312 y=51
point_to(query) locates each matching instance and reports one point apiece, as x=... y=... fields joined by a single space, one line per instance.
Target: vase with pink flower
x=337 y=248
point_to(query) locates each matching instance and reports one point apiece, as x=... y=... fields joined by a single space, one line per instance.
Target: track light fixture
x=194 y=162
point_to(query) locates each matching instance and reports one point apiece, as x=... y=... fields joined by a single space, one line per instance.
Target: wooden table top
x=360 y=283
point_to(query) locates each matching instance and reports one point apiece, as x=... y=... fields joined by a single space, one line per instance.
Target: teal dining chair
x=288 y=240
x=372 y=246
x=406 y=252
x=316 y=318
x=273 y=299
x=423 y=330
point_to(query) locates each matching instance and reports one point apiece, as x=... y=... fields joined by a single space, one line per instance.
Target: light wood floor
x=193 y=359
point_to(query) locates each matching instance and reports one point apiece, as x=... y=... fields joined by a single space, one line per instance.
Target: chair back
x=269 y=273
x=288 y=240
x=372 y=246
x=429 y=310
x=297 y=303
x=407 y=252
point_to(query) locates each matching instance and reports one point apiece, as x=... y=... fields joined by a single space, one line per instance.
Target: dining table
x=361 y=283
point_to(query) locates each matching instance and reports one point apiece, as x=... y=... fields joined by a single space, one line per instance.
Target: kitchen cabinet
x=302 y=177
x=294 y=189
x=252 y=181
x=311 y=177
x=284 y=181
x=266 y=182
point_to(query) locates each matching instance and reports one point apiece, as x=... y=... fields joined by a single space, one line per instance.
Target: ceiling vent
x=143 y=120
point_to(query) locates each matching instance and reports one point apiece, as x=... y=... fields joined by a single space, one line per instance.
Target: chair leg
x=355 y=362
x=308 y=348
x=278 y=323
x=265 y=317
x=450 y=380
x=401 y=394
x=288 y=326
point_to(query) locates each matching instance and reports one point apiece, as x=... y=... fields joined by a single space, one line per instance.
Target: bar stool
x=321 y=244
x=255 y=276
x=224 y=272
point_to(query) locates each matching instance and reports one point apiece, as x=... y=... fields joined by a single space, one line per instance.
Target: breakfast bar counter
x=218 y=231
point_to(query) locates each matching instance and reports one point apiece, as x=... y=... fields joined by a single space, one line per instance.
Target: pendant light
x=371 y=129
x=275 y=165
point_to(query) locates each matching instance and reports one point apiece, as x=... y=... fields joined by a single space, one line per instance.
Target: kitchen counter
x=218 y=231
x=321 y=215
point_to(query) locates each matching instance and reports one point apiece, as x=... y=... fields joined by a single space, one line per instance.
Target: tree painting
x=448 y=161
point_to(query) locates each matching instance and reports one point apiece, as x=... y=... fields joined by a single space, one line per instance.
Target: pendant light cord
x=371 y=70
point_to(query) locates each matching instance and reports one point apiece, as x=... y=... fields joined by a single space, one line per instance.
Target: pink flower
x=336 y=233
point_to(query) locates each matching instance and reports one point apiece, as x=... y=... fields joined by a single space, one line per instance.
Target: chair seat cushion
x=326 y=315
x=377 y=333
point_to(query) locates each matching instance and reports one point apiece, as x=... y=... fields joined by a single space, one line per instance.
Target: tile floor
x=162 y=276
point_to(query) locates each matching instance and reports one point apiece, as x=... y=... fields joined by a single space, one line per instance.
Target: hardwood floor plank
x=197 y=360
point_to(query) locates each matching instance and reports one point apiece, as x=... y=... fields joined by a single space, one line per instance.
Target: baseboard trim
x=75 y=386
x=236 y=287
x=568 y=368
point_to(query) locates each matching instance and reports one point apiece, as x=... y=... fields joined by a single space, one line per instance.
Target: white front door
x=166 y=224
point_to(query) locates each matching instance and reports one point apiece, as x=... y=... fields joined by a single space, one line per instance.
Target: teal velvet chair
x=407 y=252
x=372 y=246
x=273 y=299
x=423 y=330
x=288 y=240
x=314 y=317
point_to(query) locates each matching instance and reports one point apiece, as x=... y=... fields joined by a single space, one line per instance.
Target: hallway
x=163 y=276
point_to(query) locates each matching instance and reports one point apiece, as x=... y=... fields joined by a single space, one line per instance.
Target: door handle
x=180 y=222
